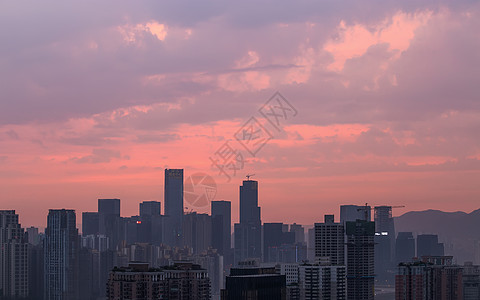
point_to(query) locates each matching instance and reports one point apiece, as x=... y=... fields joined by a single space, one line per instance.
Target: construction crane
x=249 y=175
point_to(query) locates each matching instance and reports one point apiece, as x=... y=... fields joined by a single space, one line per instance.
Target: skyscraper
x=222 y=226
x=90 y=223
x=329 y=241
x=248 y=234
x=61 y=255
x=404 y=247
x=360 y=260
x=174 y=206
x=273 y=239
x=13 y=257
x=384 y=244
x=109 y=221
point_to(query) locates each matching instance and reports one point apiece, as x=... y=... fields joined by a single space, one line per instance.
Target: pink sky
x=98 y=98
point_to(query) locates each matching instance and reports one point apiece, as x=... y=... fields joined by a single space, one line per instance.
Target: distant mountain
x=458 y=230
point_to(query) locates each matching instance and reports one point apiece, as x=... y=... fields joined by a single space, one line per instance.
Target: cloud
x=99 y=155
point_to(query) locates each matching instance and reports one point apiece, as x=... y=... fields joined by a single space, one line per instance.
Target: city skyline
x=383 y=95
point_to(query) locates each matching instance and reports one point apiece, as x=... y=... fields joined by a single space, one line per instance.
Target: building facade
x=61 y=248
x=181 y=281
x=14 y=281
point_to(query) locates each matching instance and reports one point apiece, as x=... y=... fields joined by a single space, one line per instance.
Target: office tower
x=150 y=208
x=197 y=230
x=174 y=207
x=351 y=213
x=360 y=259
x=61 y=255
x=273 y=238
x=221 y=226
x=430 y=279
x=329 y=241
x=299 y=232
x=384 y=244
x=13 y=257
x=322 y=282
x=428 y=245
x=471 y=282
x=254 y=283
x=109 y=221
x=248 y=233
x=404 y=247
x=90 y=223
x=139 y=282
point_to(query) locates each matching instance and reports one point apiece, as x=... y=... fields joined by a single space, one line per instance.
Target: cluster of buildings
x=188 y=255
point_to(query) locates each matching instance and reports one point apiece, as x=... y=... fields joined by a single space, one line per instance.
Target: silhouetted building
x=351 y=213
x=275 y=240
x=139 y=282
x=384 y=244
x=174 y=207
x=221 y=226
x=360 y=260
x=90 y=223
x=471 y=282
x=254 y=283
x=428 y=245
x=36 y=271
x=61 y=248
x=33 y=236
x=430 y=279
x=197 y=231
x=248 y=233
x=299 y=232
x=329 y=241
x=13 y=257
x=110 y=222
x=404 y=247
x=150 y=208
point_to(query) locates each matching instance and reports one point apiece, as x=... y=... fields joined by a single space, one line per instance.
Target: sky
x=378 y=103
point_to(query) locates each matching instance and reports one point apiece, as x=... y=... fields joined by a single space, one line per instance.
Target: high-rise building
x=61 y=255
x=360 y=260
x=248 y=233
x=197 y=230
x=173 y=199
x=273 y=238
x=150 y=208
x=322 y=282
x=90 y=223
x=109 y=221
x=404 y=247
x=430 y=279
x=351 y=213
x=428 y=245
x=139 y=282
x=329 y=241
x=221 y=226
x=384 y=244
x=254 y=283
x=13 y=257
